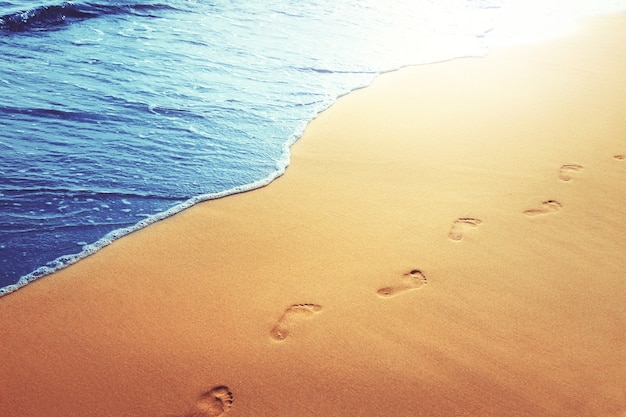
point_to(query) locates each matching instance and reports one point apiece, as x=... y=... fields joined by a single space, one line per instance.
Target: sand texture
x=450 y=241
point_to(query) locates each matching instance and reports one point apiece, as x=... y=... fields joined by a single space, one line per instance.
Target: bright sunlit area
x=525 y=21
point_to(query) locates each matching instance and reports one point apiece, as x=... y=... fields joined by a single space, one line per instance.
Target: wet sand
x=446 y=242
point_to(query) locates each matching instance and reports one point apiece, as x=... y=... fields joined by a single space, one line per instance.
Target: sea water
x=116 y=114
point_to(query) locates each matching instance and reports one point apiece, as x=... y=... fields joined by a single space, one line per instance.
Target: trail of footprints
x=218 y=401
x=295 y=315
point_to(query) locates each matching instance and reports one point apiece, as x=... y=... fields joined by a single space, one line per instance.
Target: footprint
x=291 y=318
x=213 y=403
x=460 y=225
x=550 y=206
x=565 y=173
x=619 y=157
x=412 y=280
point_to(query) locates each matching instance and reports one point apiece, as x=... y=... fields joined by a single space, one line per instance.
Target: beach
x=448 y=241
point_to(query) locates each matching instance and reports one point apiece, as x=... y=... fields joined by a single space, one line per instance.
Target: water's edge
x=65 y=261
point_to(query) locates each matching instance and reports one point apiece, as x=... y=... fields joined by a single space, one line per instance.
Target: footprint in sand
x=550 y=206
x=619 y=157
x=412 y=280
x=460 y=225
x=291 y=319
x=213 y=403
x=566 y=171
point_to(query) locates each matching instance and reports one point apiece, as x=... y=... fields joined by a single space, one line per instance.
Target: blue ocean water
x=114 y=115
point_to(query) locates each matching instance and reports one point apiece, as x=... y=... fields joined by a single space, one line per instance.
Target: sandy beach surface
x=450 y=241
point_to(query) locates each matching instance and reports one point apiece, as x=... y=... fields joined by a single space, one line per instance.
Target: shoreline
x=282 y=164
x=445 y=241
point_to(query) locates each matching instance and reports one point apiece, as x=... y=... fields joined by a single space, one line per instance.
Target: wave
x=50 y=113
x=53 y=16
x=89 y=249
x=335 y=71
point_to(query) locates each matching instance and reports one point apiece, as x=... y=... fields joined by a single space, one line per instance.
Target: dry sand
x=447 y=242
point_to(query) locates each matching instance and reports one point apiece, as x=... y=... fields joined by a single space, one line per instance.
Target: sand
x=449 y=241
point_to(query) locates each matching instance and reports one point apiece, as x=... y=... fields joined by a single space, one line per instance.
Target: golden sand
x=449 y=241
